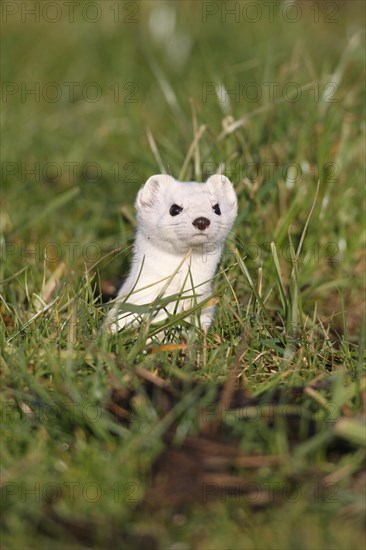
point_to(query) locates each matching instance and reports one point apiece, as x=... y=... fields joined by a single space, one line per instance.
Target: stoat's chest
x=181 y=270
x=159 y=272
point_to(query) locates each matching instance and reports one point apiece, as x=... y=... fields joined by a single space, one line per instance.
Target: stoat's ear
x=223 y=186
x=148 y=195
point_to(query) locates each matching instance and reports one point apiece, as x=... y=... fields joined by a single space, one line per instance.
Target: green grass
x=290 y=284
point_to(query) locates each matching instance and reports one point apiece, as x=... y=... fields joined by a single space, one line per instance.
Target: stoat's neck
x=160 y=258
x=151 y=249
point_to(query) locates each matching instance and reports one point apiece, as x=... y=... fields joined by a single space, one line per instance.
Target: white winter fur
x=171 y=253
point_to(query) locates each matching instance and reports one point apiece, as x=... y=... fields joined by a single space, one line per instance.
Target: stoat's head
x=186 y=215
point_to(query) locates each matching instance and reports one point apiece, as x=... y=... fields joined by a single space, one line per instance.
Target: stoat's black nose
x=201 y=223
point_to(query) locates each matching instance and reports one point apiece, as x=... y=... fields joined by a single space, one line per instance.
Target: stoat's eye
x=175 y=210
x=216 y=209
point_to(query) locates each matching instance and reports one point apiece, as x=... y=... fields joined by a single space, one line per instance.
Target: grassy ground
x=92 y=424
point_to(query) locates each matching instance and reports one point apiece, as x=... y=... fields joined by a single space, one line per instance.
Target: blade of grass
x=281 y=287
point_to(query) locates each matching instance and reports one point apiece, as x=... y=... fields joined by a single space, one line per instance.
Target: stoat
x=181 y=230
